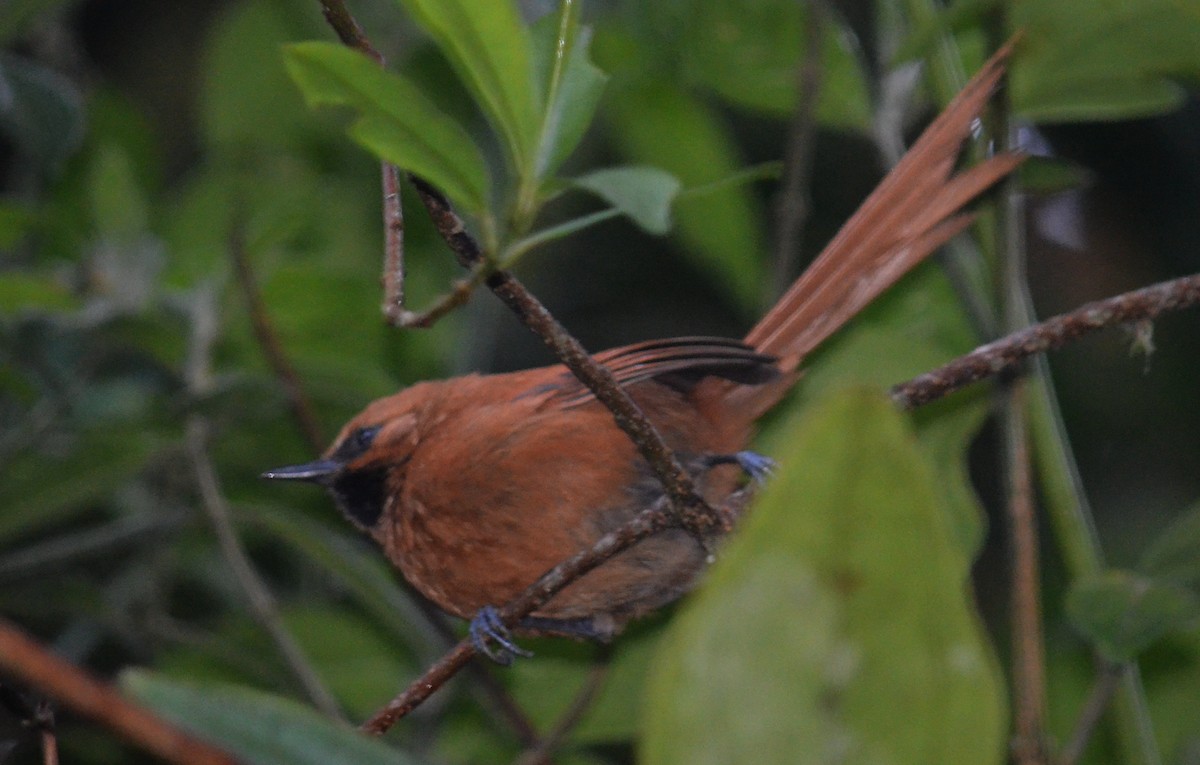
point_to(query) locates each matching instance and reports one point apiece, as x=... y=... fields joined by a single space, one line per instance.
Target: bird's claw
x=487 y=626
x=758 y=466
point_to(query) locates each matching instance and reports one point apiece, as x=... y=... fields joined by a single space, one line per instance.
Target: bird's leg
x=599 y=629
x=758 y=466
x=486 y=626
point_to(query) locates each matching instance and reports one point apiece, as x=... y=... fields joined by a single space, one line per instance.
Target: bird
x=475 y=486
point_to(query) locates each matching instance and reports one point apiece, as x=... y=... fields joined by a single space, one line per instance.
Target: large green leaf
x=258 y=727
x=490 y=49
x=1085 y=60
x=396 y=121
x=837 y=626
x=915 y=327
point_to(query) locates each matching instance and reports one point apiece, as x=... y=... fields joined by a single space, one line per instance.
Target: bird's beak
x=319 y=471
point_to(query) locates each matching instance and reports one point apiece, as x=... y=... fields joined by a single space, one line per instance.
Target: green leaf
x=1081 y=60
x=246 y=98
x=366 y=575
x=842 y=600
x=912 y=328
x=119 y=206
x=658 y=123
x=257 y=727
x=749 y=52
x=396 y=121
x=15 y=222
x=1123 y=612
x=489 y=47
x=645 y=194
x=573 y=87
x=40 y=490
x=545 y=687
x=41 y=111
x=21 y=291
x=1175 y=555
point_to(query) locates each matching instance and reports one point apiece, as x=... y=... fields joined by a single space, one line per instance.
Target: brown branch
x=792 y=204
x=1029 y=673
x=393 y=248
x=69 y=685
x=1006 y=354
x=268 y=341
x=347 y=29
x=1028 y=638
x=351 y=35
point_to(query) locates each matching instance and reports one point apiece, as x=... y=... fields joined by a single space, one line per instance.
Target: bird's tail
x=913 y=211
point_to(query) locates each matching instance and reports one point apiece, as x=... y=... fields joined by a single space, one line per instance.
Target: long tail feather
x=910 y=214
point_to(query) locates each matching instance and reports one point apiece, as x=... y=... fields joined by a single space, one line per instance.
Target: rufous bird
x=477 y=485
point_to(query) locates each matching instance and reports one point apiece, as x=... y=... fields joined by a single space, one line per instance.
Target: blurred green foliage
x=122 y=319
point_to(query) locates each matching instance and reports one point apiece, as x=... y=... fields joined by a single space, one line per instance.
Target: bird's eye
x=356 y=443
x=364 y=436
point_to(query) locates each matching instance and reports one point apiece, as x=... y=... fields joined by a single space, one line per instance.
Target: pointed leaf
x=1123 y=612
x=1175 y=555
x=396 y=121
x=488 y=46
x=573 y=86
x=842 y=600
x=645 y=194
x=258 y=727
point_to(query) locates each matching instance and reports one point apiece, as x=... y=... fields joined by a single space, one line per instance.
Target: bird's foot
x=758 y=466
x=486 y=628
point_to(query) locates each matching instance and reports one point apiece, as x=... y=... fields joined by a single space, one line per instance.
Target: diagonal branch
x=268 y=341
x=23 y=658
x=1006 y=354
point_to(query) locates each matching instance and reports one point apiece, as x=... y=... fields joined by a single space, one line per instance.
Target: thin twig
x=1007 y=353
x=199 y=379
x=49 y=739
x=1029 y=675
x=344 y=25
x=268 y=341
x=393 y=247
x=1028 y=659
x=540 y=753
x=1108 y=680
x=262 y=602
x=23 y=658
x=793 y=202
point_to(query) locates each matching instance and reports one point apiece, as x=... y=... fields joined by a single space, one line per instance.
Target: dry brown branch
x=23 y=658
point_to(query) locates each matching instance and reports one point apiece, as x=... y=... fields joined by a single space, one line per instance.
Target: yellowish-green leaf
x=837 y=626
